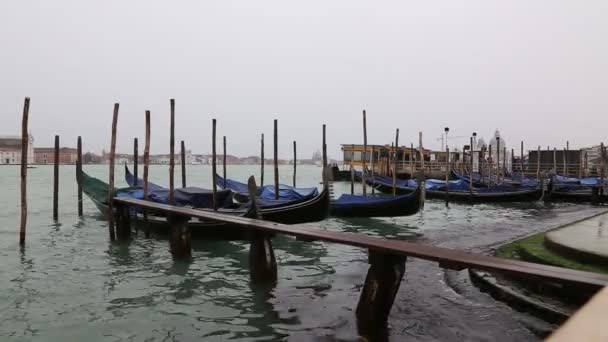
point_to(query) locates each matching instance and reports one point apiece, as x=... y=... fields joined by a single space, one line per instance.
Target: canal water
x=70 y=283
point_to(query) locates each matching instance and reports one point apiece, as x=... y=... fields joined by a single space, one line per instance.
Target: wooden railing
x=386 y=257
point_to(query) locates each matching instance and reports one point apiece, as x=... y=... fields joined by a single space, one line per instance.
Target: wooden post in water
x=25 y=138
x=352 y=170
x=111 y=181
x=498 y=171
x=554 y=160
x=146 y=169
x=379 y=292
x=262 y=262
x=172 y=154
x=586 y=165
x=412 y=161
x=262 y=161
x=56 y=180
x=395 y=163
x=490 y=162
x=214 y=164
x=135 y=159
x=538 y=163
x=565 y=161
x=276 y=159
x=602 y=170
x=224 y=162
x=504 y=161
x=447 y=175
x=79 y=173
x=183 y=162
x=421 y=154
x=521 y=160
x=373 y=171
x=324 y=148
x=512 y=162
x=364 y=155
x=295 y=163
x=566 y=155
x=471 y=171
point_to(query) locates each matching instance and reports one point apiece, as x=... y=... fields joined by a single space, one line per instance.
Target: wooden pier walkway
x=386 y=257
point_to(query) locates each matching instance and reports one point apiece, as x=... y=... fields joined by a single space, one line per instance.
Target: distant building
x=46 y=155
x=10 y=149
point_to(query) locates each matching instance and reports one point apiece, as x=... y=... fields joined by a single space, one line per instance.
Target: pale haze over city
x=534 y=70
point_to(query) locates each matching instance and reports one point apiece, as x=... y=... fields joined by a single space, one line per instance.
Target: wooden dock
x=386 y=257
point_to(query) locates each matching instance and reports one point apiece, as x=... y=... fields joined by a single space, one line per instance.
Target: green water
x=71 y=283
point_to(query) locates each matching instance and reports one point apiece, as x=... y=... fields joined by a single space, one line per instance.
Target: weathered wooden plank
x=452 y=257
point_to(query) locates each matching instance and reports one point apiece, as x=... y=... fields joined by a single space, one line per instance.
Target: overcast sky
x=536 y=70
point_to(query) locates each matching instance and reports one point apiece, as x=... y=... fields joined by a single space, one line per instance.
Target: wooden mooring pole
x=602 y=170
x=555 y=160
x=490 y=161
x=295 y=163
x=412 y=161
x=421 y=154
x=565 y=161
x=172 y=154
x=395 y=163
x=183 y=162
x=364 y=155
x=538 y=163
x=521 y=160
x=110 y=212
x=56 y=180
x=276 y=159
x=498 y=171
x=352 y=170
x=135 y=159
x=146 y=170
x=262 y=262
x=79 y=174
x=326 y=174
x=214 y=164
x=262 y=161
x=504 y=162
x=24 y=149
x=373 y=171
x=447 y=176
x=224 y=171
x=471 y=171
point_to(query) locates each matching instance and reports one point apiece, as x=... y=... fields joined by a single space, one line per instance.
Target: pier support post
x=123 y=222
x=379 y=292
x=181 y=245
x=262 y=263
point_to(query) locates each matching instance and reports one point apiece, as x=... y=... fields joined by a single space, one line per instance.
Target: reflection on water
x=71 y=284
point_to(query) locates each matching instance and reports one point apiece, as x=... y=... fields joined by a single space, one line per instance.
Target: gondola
x=266 y=194
x=350 y=205
x=97 y=191
x=576 y=189
x=460 y=191
x=377 y=206
x=309 y=209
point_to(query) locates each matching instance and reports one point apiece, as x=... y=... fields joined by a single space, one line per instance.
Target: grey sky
x=536 y=70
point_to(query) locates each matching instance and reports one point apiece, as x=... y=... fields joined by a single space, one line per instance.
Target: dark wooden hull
x=312 y=210
x=198 y=229
x=402 y=205
x=475 y=197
